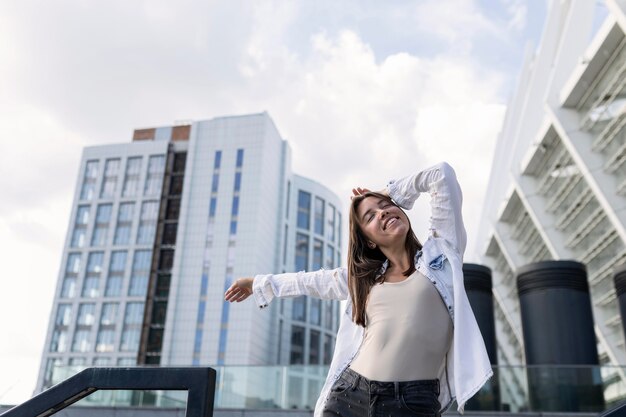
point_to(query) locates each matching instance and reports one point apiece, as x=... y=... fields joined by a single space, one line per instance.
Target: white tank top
x=408 y=332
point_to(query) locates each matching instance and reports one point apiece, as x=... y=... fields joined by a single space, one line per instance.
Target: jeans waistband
x=357 y=380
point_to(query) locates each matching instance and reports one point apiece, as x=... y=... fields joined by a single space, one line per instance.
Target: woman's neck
x=398 y=261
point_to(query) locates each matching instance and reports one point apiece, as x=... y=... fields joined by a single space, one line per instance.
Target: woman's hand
x=240 y=290
x=358 y=191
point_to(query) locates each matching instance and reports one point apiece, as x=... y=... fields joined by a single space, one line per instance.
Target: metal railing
x=198 y=382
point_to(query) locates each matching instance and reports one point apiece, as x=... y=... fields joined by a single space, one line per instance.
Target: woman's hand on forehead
x=358 y=191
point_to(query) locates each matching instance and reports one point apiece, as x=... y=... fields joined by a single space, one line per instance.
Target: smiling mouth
x=393 y=219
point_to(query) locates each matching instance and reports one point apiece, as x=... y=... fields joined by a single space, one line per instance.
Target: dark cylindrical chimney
x=557 y=323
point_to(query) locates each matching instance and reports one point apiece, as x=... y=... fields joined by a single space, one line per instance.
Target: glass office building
x=160 y=228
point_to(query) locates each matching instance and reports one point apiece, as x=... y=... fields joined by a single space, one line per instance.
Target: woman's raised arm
x=440 y=182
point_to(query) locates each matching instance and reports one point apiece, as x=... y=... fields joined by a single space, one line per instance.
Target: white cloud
x=455 y=21
x=518 y=11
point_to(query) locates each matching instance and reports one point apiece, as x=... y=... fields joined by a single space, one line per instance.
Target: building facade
x=558 y=182
x=161 y=227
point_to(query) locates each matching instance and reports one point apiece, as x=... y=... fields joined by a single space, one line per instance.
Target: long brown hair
x=364 y=262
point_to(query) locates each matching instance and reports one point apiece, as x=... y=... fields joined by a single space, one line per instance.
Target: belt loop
x=396 y=386
x=355 y=383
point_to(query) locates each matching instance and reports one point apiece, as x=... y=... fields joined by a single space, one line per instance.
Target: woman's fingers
x=236 y=293
x=359 y=191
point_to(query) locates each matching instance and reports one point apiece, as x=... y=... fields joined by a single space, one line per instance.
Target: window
x=105 y=340
x=155 y=340
x=239 y=158
x=218 y=160
x=314 y=347
x=116 y=274
x=166 y=259
x=319 y=216
x=133 y=318
x=78 y=238
x=126 y=361
x=328 y=349
x=130 y=340
x=297 y=345
x=64 y=315
x=304 y=209
x=330 y=261
x=180 y=160
x=109 y=182
x=91 y=287
x=59 y=341
x=82 y=216
x=215 y=182
x=318 y=249
x=235 y=209
x=86 y=314
x=51 y=364
x=103 y=215
x=108 y=317
x=288 y=197
x=285 y=239
x=73 y=264
x=159 y=311
x=80 y=361
x=68 y=290
x=99 y=237
x=212 y=207
x=299 y=309
x=316 y=311
x=134 y=314
x=100 y=361
x=147 y=222
x=72 y=268
x=173 y=209
x=90 y=177
x=169 y=233
x=330 y=229
x=124 y=224
x=302 y=252
x=163 y=285
x=338 y=231
x=94 y=263
x=328 y=314
x=237 y=181
x=81 y=341
x=131 y=179
x=140 y=273
x=154 y=178
x=176 y=184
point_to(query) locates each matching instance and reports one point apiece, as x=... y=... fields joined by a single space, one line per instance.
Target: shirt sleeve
x=440 y=182
x=329 y=284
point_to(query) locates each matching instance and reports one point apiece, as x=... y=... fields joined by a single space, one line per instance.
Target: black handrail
x=617 y=411
x=199 y=382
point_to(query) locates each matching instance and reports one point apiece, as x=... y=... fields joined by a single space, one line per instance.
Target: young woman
x=408 y=343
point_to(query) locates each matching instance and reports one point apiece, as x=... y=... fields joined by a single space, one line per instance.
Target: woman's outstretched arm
x=440 y=182
x=325 y=284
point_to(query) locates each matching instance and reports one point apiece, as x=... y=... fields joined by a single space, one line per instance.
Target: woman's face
x=382 y=222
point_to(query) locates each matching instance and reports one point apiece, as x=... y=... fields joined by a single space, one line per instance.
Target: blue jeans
x=354 y=395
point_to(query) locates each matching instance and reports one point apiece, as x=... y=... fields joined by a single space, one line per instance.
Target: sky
x=363 y=91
